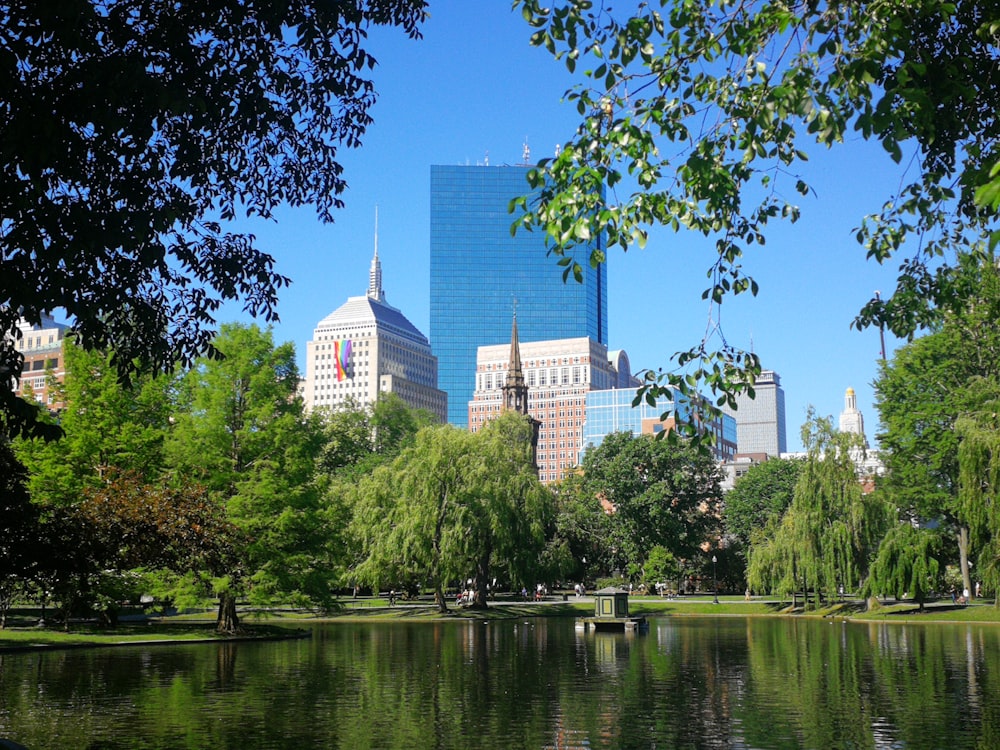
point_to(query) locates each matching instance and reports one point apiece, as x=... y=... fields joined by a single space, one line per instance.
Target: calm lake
x=687 y=683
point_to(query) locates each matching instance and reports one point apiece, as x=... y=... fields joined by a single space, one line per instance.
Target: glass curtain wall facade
x=479 y=272
x=612 y=411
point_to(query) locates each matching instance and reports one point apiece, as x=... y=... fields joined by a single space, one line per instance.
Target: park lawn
x=277 y=623
x=155 y=631
x=986 y=612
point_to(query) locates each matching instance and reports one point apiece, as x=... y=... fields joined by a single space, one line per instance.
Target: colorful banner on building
x=342 y=355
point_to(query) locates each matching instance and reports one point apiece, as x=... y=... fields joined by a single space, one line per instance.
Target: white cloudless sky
x=473 y=90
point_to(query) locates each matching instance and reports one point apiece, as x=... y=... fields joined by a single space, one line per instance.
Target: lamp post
x=715 y=582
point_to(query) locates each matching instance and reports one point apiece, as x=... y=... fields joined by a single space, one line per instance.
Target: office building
x=557 y=376
x=367 y=347
x=41 y=345
x=479 y=272
x=610 y=411
x=760 y=421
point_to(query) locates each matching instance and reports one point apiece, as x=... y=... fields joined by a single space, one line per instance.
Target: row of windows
x=42 y=364
x=35 y=342
x=555 y=361
x=367 y=326
x=534 y=378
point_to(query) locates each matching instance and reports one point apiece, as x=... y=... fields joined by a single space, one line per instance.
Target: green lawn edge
x=280 y=623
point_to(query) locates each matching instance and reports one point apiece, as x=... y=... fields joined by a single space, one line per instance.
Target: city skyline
x=462 y=98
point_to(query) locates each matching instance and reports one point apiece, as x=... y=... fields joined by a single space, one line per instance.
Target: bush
x=610 y=582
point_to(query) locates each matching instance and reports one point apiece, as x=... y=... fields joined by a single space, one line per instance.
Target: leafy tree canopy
x=759 y=496
x=241 y=431
x=356 y=438
x=452 y=506
x=658 y=494
x=132 y=131
x=107 y=427
x=697 y=115
x=826 y=538
x=928 y=386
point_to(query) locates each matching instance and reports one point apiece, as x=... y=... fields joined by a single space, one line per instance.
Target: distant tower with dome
x=852 y=420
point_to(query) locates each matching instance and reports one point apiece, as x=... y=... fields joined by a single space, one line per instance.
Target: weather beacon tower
x=477 y=268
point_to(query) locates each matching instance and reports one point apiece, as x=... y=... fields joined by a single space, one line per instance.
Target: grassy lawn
x=23 y=633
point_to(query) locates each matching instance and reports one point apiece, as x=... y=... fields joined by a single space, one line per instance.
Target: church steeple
x=375 y=274
x=515 y=391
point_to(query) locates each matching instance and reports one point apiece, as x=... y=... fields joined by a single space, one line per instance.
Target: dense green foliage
x=241 y=430
x=759 y=496
x=907 y=564
x=926 y=389
x=454 y=506
x=657 y=494
x=826 y=538
x=699 y=115
x=133 y=131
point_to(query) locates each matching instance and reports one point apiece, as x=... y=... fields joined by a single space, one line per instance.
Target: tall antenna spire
x=526 y=153
x=375 y=274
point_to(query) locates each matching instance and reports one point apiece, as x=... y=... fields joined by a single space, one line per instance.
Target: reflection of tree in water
x=855 y=685
x=225 y=666
x=691 y=683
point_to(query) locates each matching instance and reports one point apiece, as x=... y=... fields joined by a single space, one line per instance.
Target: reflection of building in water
x=567 y=738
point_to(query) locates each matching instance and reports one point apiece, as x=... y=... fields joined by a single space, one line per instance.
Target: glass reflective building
x=479 y=272
x=612 y=411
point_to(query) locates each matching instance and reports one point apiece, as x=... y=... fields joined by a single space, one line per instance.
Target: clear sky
x=473 y=90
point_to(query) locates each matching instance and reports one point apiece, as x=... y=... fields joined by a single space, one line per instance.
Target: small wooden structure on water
x=611 y=613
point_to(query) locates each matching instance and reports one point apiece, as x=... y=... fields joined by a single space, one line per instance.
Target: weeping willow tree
x=979 y=480
x=907 y=564
x=451 y=506
x=827 y=536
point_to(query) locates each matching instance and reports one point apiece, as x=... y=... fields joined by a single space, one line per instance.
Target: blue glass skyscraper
x=478 y=271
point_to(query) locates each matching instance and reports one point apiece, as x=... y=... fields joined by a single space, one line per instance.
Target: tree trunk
x=439 y=599
x=227 y=621
x=482 y=576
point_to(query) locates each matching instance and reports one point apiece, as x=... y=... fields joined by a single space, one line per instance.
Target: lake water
x=687 y=683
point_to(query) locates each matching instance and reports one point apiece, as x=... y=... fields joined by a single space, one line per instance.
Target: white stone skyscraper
x=367 y=347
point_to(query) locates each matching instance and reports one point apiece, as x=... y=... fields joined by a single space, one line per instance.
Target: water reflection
x=687 y=683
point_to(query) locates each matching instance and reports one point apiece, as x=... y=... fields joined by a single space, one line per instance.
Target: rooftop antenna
x=375 y=274
x=526 y=153
x=487 y=163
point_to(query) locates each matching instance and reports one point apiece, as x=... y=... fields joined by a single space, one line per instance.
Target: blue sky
x=473 y=90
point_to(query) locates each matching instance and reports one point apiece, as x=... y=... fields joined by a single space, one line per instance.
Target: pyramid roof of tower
x=367 y=310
